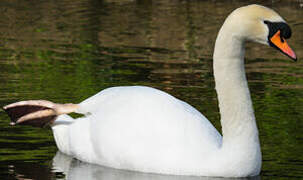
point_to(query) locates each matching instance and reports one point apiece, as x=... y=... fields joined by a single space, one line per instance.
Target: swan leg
x=38 y=113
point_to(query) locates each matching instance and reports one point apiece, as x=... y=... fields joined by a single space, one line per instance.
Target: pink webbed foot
x=38 y=113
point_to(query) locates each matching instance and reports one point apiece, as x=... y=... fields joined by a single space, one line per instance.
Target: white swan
x=74 y=169
x=145 y=129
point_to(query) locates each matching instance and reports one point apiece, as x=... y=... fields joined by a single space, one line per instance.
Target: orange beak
x=281 y=44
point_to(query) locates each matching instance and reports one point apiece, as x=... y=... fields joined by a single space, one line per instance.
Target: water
x=66 y=51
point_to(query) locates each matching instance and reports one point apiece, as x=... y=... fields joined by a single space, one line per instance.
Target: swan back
x=145 y=129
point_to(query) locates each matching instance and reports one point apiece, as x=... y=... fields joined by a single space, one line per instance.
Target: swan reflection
x=74 y=169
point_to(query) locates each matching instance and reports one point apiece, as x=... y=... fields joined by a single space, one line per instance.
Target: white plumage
x=145 y=129
x=137 y=127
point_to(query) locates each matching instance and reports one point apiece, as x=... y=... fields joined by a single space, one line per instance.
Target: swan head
x=263 y=25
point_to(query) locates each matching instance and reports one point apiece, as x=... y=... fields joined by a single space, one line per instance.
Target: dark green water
x=68 y=50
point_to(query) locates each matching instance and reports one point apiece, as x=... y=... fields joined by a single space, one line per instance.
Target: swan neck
x=236 y=110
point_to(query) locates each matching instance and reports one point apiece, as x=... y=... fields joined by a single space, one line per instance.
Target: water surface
x=66 y=51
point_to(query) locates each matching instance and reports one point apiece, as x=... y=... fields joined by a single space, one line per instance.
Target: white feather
x=145 y=129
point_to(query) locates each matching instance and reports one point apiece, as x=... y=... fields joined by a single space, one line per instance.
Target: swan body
x=141 y=127
x=144 y=129
x=74 y=169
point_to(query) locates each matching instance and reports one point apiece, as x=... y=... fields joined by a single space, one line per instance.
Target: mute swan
x=145 y=129
x=74 y=169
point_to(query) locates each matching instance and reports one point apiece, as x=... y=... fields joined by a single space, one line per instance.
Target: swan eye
x=278 y=32
x=274 y=27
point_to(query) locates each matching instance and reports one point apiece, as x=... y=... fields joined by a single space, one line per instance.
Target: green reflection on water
x=82 y=47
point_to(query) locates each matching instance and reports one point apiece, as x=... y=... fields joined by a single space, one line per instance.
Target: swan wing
x=140 y=126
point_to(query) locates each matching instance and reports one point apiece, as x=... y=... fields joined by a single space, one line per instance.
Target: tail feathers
x=63 y=119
